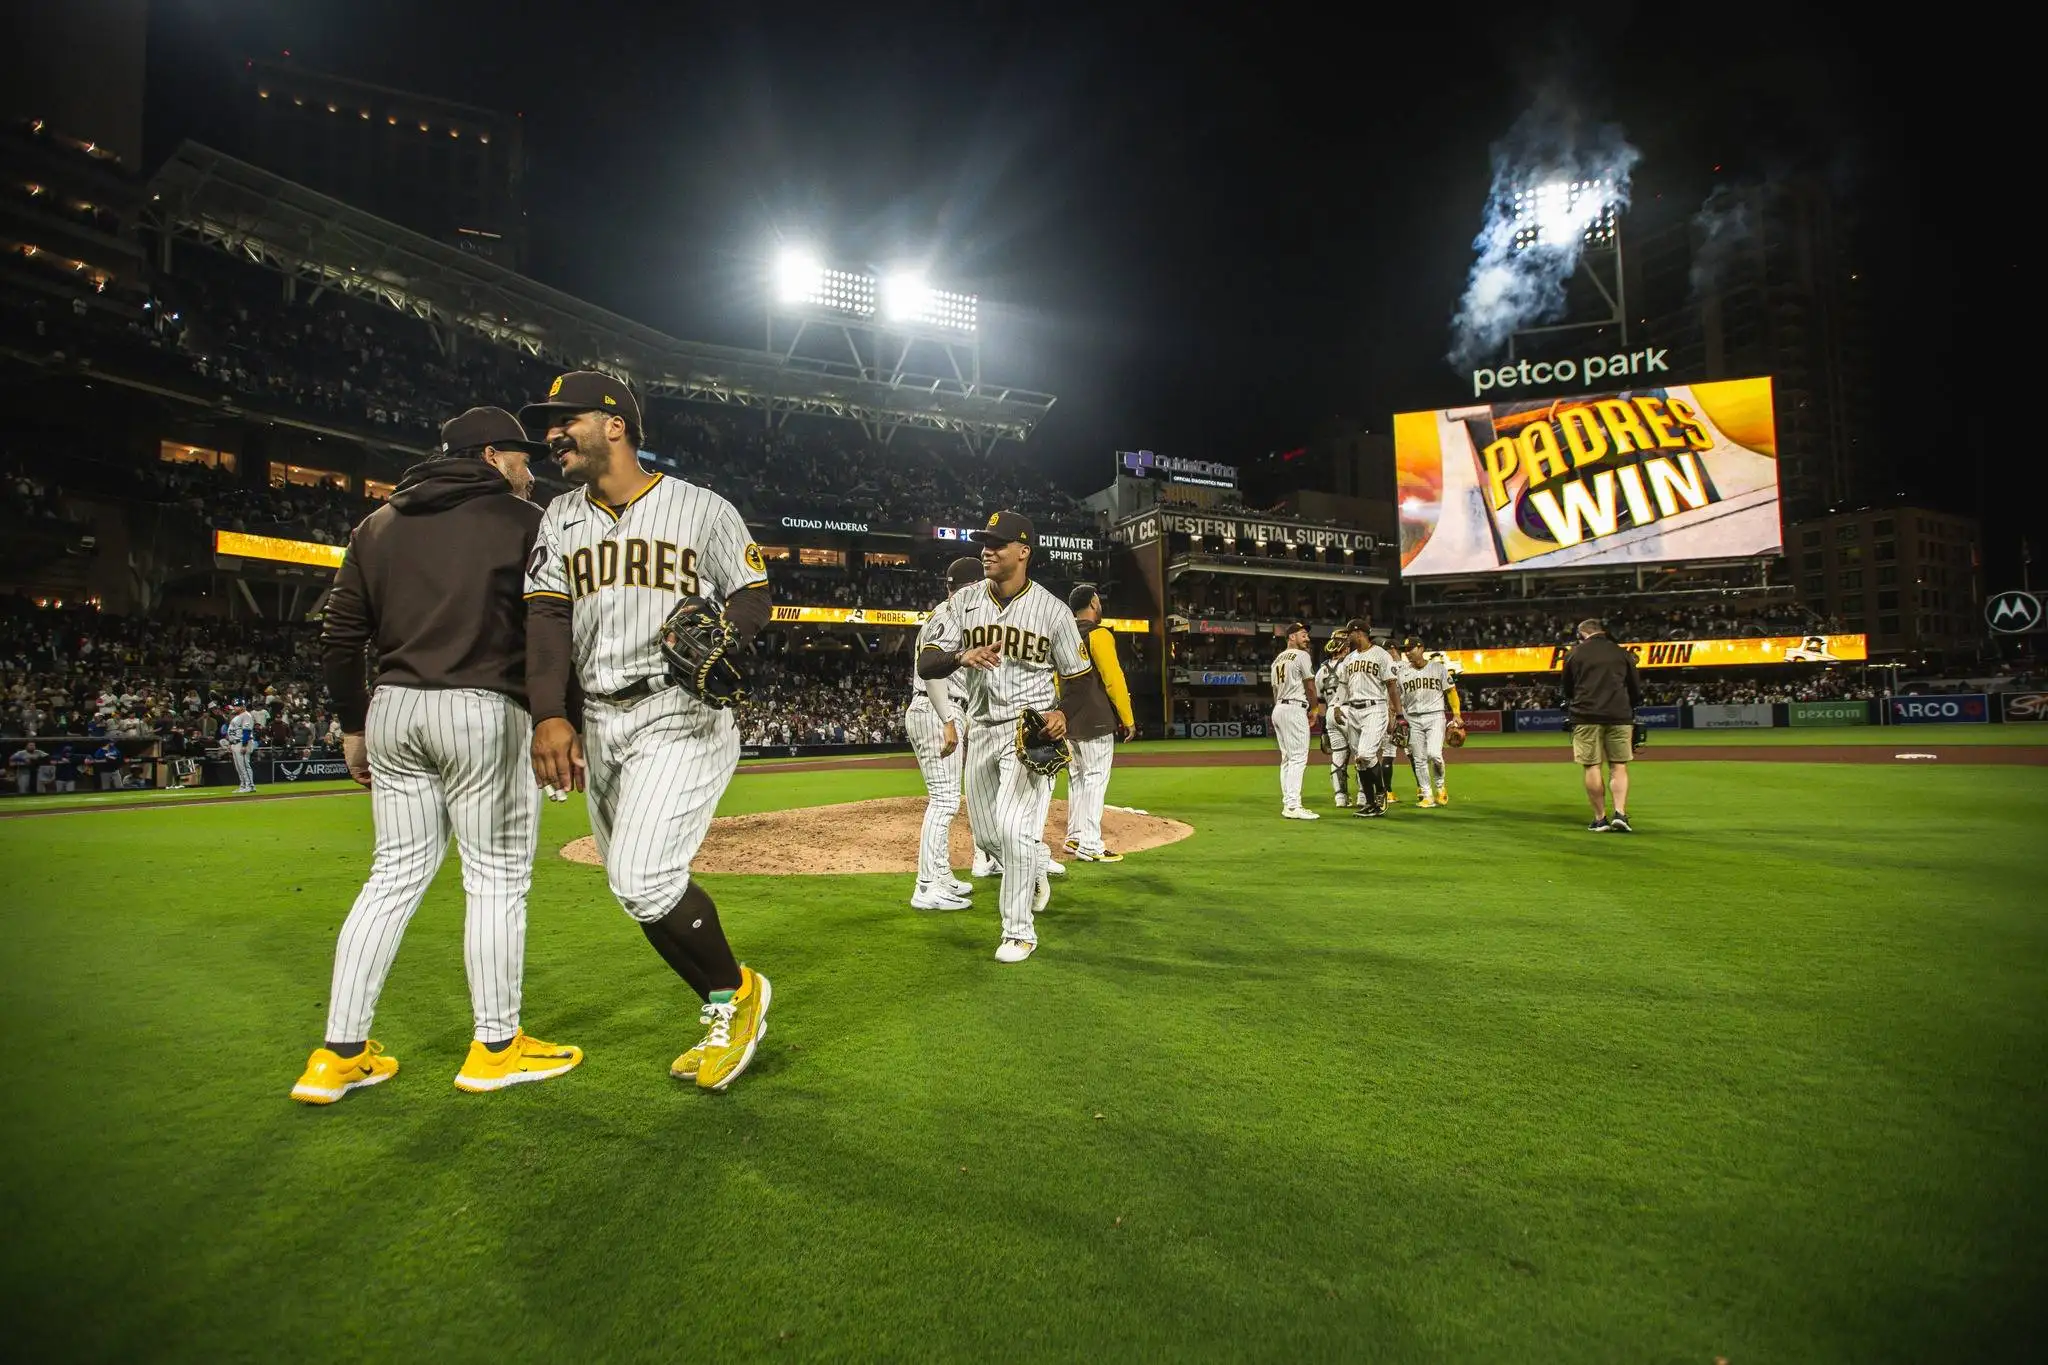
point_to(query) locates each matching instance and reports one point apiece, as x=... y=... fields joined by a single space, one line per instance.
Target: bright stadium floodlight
x=906 y=297
x=798 y=276
x=1560 y=211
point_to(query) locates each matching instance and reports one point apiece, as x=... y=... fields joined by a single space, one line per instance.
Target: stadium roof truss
x=204 y=196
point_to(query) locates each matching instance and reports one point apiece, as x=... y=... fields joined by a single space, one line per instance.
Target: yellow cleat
x=735 y=1028
x=686 y=1067
x=1426 y=803
x=526 y=1060
x=1443 y=798
x=329 y=1077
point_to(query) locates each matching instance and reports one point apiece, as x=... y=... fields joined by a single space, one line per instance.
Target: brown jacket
x=433 y=583
x=1600 y=683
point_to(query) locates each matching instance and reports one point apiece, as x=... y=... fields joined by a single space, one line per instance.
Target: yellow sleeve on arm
x=1452 y=693
x=1102 y=653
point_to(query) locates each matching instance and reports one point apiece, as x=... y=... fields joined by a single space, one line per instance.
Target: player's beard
x=593 y=457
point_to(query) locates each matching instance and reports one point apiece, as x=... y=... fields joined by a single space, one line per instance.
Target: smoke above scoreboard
x=1638 y=476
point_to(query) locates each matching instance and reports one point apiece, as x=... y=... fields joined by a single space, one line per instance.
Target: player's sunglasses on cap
x=487 y=427
x=1003 y=528
x=580 y=391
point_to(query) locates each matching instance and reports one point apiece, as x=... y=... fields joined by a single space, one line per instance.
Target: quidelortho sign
x=1809 y=714
x=1590 y=369
x=1963 y=708
x=1751 y=716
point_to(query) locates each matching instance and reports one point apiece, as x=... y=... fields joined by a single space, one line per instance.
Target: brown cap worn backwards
x=581 y=391
x=962 y=571
x=1004 y=527
x=487 y=427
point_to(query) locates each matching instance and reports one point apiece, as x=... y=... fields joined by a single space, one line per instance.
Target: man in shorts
x=1602 y=692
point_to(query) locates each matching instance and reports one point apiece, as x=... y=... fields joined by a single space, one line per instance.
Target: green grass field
x=1763 y=1082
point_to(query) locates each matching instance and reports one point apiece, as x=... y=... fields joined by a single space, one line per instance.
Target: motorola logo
x=2012 y=613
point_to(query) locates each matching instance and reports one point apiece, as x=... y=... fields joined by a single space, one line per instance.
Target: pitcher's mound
x=873 y=836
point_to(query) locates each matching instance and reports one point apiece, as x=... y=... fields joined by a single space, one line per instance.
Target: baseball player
x=616 y=557
x=239 y=738
x=933 y=722
x=1294 y=696
x=432 y=582
x=1429 y=699
x=1098 y=709
x=1011 y=637
x=1363 y=682
x=1334 y=742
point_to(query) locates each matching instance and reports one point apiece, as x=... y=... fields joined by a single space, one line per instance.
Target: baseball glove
x=1455 y=735
x=697 y=641
x=1037 y=750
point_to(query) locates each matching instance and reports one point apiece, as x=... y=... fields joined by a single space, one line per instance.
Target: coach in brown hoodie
x=433 y=583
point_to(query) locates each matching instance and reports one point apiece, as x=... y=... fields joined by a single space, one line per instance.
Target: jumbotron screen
x=1639 y=476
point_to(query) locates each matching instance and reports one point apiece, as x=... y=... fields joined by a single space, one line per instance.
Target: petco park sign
x=1589 y=369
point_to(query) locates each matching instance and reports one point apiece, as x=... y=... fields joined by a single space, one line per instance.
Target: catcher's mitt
x=697 y=641
x=1455 y=735
x=1037 y=750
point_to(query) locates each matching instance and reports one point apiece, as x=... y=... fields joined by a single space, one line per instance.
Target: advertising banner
x=1776 y=649
x=1802 y=715
x=277 y=549
x=1965 y=708
x=1637 y=476
x=1482 y=722
x=1216 y=729
x=2024 y=706
x=883 y=616
x=1547 y=718
x=1754 y=716
x=1158 y=521
x=1209 y=678
x=1657 y=717
x=1144 y=464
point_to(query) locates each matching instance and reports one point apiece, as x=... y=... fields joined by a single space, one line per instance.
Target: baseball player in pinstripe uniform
x=240 y=741
x=1428 y=696
x=615 y=557
x=1098 y=709
x=1363 y=681
x=431 y=581
x=933 y=722
x=1294 y=696
x=1333 y=728
x=1011 y=637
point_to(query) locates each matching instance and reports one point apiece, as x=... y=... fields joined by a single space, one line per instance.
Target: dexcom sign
x=1966 y=708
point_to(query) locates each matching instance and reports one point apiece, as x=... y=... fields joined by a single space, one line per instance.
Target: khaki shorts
x=1593 y=744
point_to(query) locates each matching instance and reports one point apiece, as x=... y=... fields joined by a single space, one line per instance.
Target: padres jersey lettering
x=1366 y=674
x=622 y=569
x=1035 y=634
x=1422 y=689
x=1290 y=671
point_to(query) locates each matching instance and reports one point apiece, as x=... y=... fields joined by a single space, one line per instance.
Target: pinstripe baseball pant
x=657 y=767
x=443 y=759
x=1426 y=748
x=942 y=787
x=243 y=756
x=1088 y=789
x=1290 y=732
x=1006 y=804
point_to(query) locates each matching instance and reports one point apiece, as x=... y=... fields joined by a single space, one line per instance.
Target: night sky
x=1204 y=237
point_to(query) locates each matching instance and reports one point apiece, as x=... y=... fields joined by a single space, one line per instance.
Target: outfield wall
x=1960 y=708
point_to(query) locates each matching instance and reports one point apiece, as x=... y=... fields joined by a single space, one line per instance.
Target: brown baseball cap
x=487 y=427
x=1004 y=527
x=1358 y=623
x=963 y=571
x=581 y=391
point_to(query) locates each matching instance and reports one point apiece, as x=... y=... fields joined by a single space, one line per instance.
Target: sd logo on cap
x=581 y=391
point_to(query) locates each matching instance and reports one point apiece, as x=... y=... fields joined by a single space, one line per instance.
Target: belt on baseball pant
x=634 y=691
x=1290 y=703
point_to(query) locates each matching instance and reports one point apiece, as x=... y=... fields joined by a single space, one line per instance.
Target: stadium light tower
x=895 y=327
x=1581 y=215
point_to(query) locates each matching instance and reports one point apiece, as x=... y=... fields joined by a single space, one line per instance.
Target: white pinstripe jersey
x=928 y=633
x=1365 y=674
x=1037 y=637
x=622 y=570
x=1422 y=689
x=1290 y=671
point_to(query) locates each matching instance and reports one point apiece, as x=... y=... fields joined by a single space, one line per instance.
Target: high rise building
x=1908 y=577
x=451 y=171
x=1764 y=280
